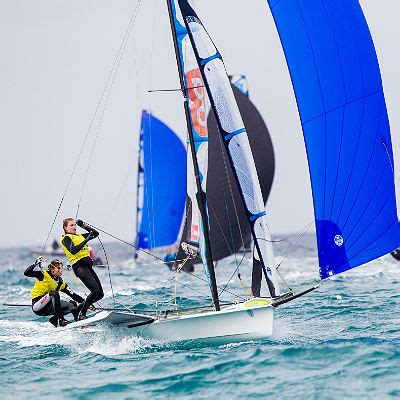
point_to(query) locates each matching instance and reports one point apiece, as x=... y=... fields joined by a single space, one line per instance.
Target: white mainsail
x=235 y=139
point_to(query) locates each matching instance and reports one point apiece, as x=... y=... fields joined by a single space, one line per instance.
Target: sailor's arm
x=34 y=270
x=87 y=228
x=73 y=295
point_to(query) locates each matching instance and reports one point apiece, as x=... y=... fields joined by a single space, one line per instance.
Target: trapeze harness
x=77 y=252
x=45 y=293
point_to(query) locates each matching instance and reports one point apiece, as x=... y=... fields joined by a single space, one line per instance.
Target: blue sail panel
x=337 y=83
x=164 y=191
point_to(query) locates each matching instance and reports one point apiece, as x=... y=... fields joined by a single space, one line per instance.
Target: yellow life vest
x=47 y=285
x=76 y=240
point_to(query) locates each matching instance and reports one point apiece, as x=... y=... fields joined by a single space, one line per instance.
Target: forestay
x=336 y=79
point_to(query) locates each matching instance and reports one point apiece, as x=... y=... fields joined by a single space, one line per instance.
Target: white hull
x=250 y=320
x=236 y=323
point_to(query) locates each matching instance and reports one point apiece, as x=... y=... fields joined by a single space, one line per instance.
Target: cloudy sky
x=56 y=58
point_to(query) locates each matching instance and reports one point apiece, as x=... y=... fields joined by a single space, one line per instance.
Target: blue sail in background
x=336 y=79
x=163 y=167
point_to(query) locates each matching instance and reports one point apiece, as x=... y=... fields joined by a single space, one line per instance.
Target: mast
x=139 y=184
x=200 y=195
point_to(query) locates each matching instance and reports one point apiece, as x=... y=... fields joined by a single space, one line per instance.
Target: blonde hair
x=65 y=222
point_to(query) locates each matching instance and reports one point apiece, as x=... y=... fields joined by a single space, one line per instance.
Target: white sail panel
x=223 y=96
x=240 y=151
x=204 y=44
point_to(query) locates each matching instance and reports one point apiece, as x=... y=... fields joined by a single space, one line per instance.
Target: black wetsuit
x=83 y=269
x=55 y=306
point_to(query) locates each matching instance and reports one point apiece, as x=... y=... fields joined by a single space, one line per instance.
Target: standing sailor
x=78 y=253
x=45 y=293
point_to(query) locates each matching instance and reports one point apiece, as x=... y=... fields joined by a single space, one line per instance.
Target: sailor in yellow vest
x=45 y=293
x=76 y=249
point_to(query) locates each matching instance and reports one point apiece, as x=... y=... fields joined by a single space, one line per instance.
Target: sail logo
x=197 y=102
x=43 y=299
x=338 y=240
x=194 y=234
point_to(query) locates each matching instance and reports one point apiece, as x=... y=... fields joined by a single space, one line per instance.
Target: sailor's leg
x=67 y=306
x=256 y=278
x=99 y=291
x=92 y=282
x=55 y=298
x=44 y=306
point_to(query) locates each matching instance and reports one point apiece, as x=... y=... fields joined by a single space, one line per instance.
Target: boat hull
x=234 y=324
x=251 y=320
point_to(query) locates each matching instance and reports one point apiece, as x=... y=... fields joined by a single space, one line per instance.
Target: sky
x=56 y=60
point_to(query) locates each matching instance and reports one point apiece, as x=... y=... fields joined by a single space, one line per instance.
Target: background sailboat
x=161 y=189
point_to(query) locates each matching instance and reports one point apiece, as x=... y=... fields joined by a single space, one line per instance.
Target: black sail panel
x=230 y=231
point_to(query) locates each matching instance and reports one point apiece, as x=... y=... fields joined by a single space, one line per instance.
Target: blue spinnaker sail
x=164 y=186
x=337 y=83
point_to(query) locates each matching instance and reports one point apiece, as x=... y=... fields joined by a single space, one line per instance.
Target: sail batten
x=335 y=75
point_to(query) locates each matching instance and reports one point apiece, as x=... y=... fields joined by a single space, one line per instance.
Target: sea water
x=340 y=341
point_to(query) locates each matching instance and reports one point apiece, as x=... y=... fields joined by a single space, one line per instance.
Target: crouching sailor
x=45 y=293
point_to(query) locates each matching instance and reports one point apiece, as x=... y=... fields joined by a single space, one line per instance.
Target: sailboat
x=336 y=79
x=161 y=189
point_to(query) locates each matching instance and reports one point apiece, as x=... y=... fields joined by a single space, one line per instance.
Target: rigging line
x=180 y=266
x=148 y=192
x=77 y=160
x=174 y=90
x=157 y=288
x=234 y=273
x=108 y=268
x=231 y=191
x=288 y=237
x=151 y=220
x=191 y=287
x=140 y=147
x=108 y=89
x=295 y=244
x=283 y=279
x=220 y=227
x=182 y=229
x=129 y=244
x=153 y=255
